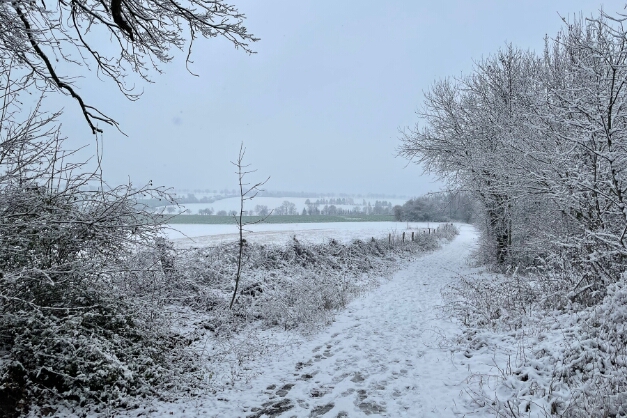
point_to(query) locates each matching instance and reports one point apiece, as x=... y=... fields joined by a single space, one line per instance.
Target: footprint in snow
x=321 y=410
x=368 y=407
x=371 y=407
x=358 y=377
x=272 y=409
x=284 y=390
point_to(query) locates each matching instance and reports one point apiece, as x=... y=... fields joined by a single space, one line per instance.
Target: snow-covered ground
x=388 y=355
x=187 y=235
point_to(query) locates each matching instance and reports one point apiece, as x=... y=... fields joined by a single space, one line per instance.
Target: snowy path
x=381 y=357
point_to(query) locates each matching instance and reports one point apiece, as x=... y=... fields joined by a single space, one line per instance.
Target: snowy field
x=232 y=203
x=187 y=235
x=388 y=354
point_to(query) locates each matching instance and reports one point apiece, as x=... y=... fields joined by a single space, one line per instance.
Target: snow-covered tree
x=471 y=136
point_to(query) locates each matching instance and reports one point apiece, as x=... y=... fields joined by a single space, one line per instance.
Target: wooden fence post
x=412 y=235
x=403 y=236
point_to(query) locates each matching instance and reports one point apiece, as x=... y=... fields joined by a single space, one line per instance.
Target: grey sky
x=320 y=105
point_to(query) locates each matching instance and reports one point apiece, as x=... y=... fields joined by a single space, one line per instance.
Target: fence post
x=412 y=235
x=390 y=239
x=403 y=236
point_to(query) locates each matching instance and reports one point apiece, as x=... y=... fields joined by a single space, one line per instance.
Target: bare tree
x=45 y=42
x=286 y=208
x=585 y=123
x=262 y=210
x=246 y=192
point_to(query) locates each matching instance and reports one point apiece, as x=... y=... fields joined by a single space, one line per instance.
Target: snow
x=195 y=235
x=388 y=354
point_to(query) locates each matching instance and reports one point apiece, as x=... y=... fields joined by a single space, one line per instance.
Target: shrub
x=69 y=333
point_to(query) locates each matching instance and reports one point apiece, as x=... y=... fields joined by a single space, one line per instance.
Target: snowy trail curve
x=381 y=357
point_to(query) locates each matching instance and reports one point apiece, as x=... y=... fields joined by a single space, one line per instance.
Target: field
x=198 y=235
x=278 y=219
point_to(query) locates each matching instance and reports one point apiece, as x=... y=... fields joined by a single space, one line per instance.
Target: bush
x=571 y=355
x=595 y=361
x=104 y=354
x=69 y=331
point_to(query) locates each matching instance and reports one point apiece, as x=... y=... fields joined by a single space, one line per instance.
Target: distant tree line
x=267 y=193
x=333 y=201
x=183 y=194
x=318 y=207
x=379 y=208
x=191 y=198
x=439 y=207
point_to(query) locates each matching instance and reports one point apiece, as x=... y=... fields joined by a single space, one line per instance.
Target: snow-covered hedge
x=298 y=285
x=594 y=363
x=69 y=332
x=552 y=356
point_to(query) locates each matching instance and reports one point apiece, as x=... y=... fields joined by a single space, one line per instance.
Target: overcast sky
x=319 y=107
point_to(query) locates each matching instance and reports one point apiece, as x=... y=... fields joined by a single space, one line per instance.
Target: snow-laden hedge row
x=549 y=355
x=69 y=331
x=298 y=285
